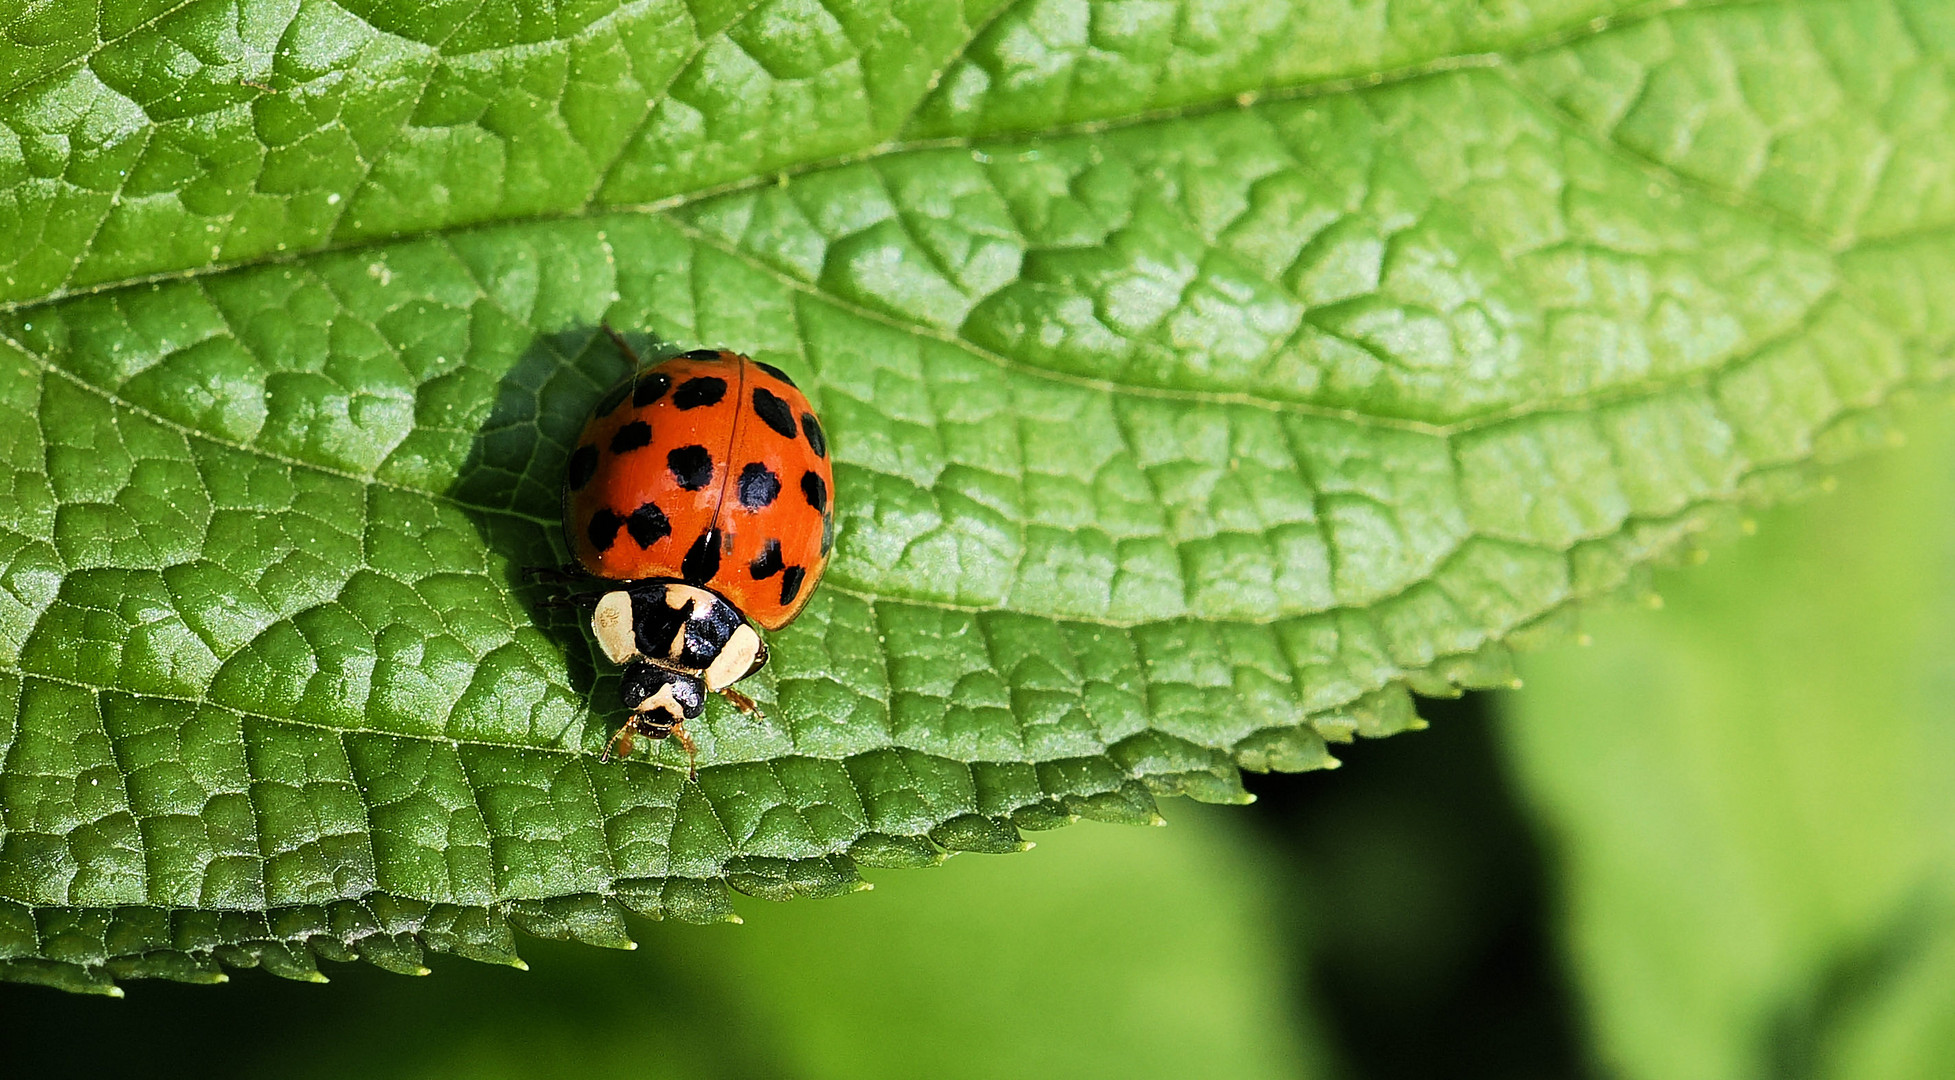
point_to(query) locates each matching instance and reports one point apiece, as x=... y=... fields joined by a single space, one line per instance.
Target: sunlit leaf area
x=1213 y=389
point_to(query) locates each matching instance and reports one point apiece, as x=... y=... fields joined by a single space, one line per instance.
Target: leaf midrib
x=1448 y=433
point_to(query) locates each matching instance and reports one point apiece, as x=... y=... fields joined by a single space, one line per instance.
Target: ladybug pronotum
x=701 y=487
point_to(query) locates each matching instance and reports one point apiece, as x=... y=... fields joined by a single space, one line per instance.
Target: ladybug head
x=683 y=627
x=660 y=700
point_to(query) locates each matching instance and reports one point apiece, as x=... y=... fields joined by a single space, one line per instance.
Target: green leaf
x=1751 y=793
x=1202 y=378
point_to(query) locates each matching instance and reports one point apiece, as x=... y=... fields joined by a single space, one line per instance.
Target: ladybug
x=701 y=485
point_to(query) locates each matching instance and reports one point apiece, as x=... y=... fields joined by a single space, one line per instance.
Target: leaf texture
x=1201 y=378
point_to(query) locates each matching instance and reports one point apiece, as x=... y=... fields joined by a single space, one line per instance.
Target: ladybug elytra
x=701 y=486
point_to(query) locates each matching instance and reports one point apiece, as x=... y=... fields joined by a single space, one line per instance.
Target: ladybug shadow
x=511 y=484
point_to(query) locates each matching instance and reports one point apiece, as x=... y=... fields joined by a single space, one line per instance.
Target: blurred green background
x=1711 y=838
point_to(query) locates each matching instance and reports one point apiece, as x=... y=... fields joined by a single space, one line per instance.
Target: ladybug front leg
x=622 y=742
x=555 y=575
x=742 y=702
x=692 y=751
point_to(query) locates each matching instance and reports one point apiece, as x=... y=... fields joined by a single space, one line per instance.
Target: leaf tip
x=421 y=969
x=116 y=992
x=1157 y=821
x=1515 y=683
x=519 y=964
x=317 y=977
x=1027 y=845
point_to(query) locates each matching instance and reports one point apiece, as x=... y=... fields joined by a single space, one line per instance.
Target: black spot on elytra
x=692 y=467
x=648 y=525
x=612 y=399
x=583 y=466
x=631 y=436
x=774 y=371
x=703 y=560
x=702 y=354
x=650 y=388
x=791 y=584
x=816 y=440
x=603 y=530
x=815 y=490
x=768 y=562
x=758 y=486
x=699 y=391
x=774 y=411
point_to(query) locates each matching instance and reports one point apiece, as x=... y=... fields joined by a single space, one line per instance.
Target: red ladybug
x=702 y=485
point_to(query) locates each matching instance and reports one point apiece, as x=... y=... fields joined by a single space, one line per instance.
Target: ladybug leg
x=692 y=751
x=624 y=347
x=555 y=575
x=621 y=742
x=742 y=702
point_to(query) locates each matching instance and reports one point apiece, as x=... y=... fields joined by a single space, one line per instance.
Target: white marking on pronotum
x=735 y=661
x=611 y=622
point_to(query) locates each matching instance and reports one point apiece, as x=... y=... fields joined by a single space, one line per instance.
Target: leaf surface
x=1194 y=396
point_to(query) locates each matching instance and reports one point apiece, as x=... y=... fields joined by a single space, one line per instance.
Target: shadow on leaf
x=511 y=484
